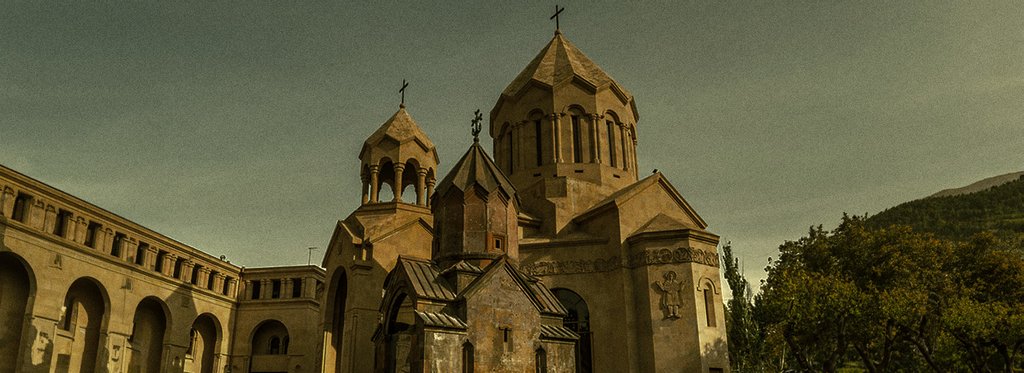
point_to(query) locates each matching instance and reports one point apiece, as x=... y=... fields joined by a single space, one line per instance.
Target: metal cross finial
x=555 y=16
x=402 y=91
x=476 y=125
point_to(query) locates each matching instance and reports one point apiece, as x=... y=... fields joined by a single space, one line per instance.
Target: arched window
x=578 y=320
x=709 y=304
x=275 y=346
x=542 y=361
x=611 y=144
x=577 y=140
x=467 y=357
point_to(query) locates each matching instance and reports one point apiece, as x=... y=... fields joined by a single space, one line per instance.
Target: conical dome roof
x=477 y=168
x=560 y=60
x=400 y=128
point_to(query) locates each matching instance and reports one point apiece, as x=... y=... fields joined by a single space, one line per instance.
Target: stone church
x=552 y=256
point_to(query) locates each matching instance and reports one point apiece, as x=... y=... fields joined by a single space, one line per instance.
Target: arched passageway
x=578 y=319
x=270 y=343
x=149 y=328
x=335 y=324
x=85 y=309
x=202 y=345
x=15 y=290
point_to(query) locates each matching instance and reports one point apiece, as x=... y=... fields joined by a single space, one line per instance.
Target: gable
x=640 y=202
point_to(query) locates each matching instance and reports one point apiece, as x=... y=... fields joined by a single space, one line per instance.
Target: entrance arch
x=202 y=344
x=269 y=347
x=16 y=288
x=578 y=319
x=335 y=323
x=84 y=319
x=149 y=329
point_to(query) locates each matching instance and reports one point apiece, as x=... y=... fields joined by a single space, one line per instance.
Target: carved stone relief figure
x=670 y=297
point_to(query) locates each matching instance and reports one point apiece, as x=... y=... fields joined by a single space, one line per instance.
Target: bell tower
x=564 y=132
x=398 y=155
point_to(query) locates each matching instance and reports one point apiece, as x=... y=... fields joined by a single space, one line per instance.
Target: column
x=186 y=271
x=366 y=188
x=7 y=201
x=129 y=248
x=430 y=190
x=204 y=277
x=595 y=139
x=70 y=227
x=286 y=288
x=80 y=231
x=232 y=287
x=421 y=186
x=399 y=168
x=265 y=289
x=104 y=239
x=168 y=266
x=218 y=283
x=374 y=183
x=622 y=142
x=248 y=290
x=37 y=214
x=49 y=219
x=151 y=253
x=556 y=130
x=517 y=153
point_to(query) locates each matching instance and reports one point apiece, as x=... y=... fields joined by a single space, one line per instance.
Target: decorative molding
x=638 y=259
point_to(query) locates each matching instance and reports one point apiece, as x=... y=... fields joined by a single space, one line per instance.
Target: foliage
x=999 y=210
x=888 y=299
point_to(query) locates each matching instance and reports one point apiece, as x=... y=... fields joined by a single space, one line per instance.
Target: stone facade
x=85 y=290
x=628 y=259
x=555 y=256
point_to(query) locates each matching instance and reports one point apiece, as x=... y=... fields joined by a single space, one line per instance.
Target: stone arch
x=613 y=137
x=85 y=320
x=708 y=290
x=541 y=135
x=399 y=321
x=268 y=338
x=334 y=326
x=577 y=127
x=386 y=176
x=410 y=181
x=17 y=291
x=468 y=357
x=578 y=320
x=204 y=338
x=149 y=334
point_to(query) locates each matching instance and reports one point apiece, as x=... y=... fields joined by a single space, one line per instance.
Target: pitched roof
x=402 y=128
x=476 y=168
x=440 y=320
x=559 y=61
x=661 y=223
x=558 y=332
x=632 y=190
x=423 y=278
x=539 y=295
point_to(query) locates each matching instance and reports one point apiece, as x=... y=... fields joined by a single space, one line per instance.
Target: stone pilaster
x=151 y=253
x=167 y=268
x=595 y=138
x=7 y=201
x=186 y=271
x=81 y=227
x=49 y=219
x=286 y=288
x=218 y=283
x=129 y=249
x=37 y=214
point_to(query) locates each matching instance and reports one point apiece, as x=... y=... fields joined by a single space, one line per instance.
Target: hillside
x=980 y=185
x=999 y=209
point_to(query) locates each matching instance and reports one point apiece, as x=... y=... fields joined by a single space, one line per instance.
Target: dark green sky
x=235 y=126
